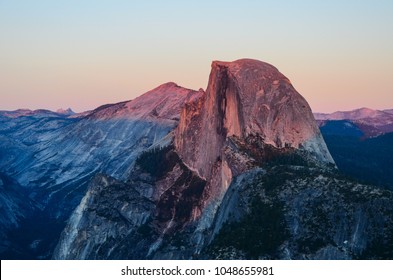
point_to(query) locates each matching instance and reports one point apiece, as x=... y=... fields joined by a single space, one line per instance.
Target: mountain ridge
x=157 y=177
x=371 y=122
x=186 y=196
x=54 y=156
x=356 y=114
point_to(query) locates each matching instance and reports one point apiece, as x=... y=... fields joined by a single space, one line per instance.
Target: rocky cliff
x=237 y=171
x=245 y=99
x=290 y=210
x=249 y=115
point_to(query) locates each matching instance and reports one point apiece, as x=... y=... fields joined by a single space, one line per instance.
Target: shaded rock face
x=104 y=223
x=15 y=207
x=133 y=219
x=367 y=159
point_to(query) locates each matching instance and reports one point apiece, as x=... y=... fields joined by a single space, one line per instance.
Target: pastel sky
x=82 y=54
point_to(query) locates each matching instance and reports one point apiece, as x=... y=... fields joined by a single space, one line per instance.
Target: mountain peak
x=366 y=109
x=245 y=63
x=245 y=99
x=168 y=85
x=366 y=112
x=252 y=71
x=65 y=111
x=161 y=103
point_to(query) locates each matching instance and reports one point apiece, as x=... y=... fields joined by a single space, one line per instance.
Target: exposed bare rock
x=245 y=98
x=298 y=212
x=162 y=103
x=248 y=115
x=245 y=174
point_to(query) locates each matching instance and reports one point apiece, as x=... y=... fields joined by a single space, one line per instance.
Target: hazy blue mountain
x=53 y=156
x=361 y=144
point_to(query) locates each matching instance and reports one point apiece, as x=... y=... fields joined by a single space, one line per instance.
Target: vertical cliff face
x=248 y=115
x=245 y=99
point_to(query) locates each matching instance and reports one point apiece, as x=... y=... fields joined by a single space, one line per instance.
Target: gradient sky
x=82 y=54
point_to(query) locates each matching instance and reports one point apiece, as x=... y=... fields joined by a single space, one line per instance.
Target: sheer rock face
x=248 y=114
x=245 y=98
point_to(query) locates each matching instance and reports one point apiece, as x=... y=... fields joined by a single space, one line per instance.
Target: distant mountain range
x=361 y=143
x=357 y=114
x=40 y=112
x=370 y=122
x=237 y=171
